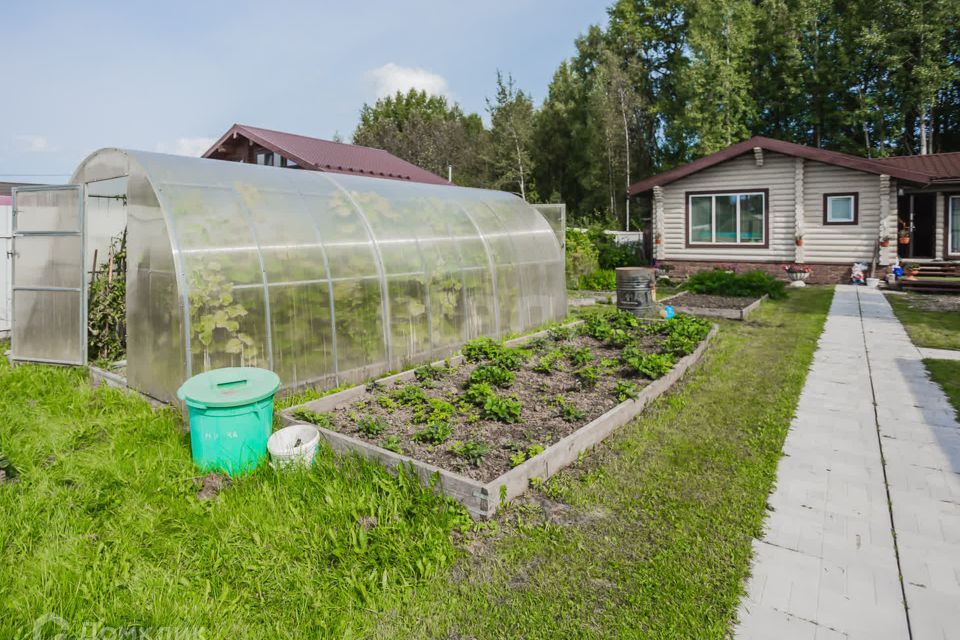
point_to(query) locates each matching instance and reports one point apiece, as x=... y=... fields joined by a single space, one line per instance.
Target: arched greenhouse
x=323 y=278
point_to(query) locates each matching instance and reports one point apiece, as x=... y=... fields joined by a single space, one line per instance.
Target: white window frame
x=853 y=209
x=713 y=218
x=951 y=202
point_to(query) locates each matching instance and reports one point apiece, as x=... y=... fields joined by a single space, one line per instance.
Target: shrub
x=473 y=451
x=611 y=255
x=651 y=365
x=503 y=408
x=434 y=433
x=582 y=256
x=320 y=419
x=491 y=374
x=600 y=280
x=371 y=426
x=752 y=284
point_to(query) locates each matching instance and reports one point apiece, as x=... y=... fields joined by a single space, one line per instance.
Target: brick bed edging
x=729 y=314
x=822 y=272
x=482 y=499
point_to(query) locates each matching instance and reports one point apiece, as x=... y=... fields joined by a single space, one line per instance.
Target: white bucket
x=873 y=282
x=284 y=448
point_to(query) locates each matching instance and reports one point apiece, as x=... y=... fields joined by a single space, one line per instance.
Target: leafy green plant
x=683 y=334
x=477 y=394
x=215 y=316
x=510 y=358
x=561 y=333
x=549 y=362
x=521 y=455
x=371 y=426
x=567 y=410
x=429 y=372
x=582 y=256
x=503 y=408
x=392 y=443
x=387 y=403
x=588 y=376
x=651 y=365
x=324 y=420
x=410 y=395
x=434 y=433
x=599 y=280
x=433 y=411
x=481 y=349
x=578 y=356
x=624 y=390
x=106 y=306
x=473 y=451
x=493 y=375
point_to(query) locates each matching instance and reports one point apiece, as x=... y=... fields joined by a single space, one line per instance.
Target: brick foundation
x=821 y=273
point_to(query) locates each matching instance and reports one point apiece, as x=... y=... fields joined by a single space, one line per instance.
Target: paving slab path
x=863 y=536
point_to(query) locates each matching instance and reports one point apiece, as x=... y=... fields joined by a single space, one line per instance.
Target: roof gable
x=326 y=155
x=786 y=148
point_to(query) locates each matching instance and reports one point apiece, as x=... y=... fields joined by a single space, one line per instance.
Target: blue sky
x=171 y=75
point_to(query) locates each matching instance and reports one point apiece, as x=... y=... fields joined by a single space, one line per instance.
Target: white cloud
x=31 y=143
x=390 y=78
x=186 y=146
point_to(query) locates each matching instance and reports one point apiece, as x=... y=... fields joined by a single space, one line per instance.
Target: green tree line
x=666 y=81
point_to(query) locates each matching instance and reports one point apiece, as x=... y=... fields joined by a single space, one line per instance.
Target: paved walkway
x=874 y=449
x=940 y=354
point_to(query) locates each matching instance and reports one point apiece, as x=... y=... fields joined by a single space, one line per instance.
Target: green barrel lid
x=229 y=387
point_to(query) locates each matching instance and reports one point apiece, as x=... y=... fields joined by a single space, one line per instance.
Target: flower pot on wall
x=799 y=242
x=884 y=243
x=904 y=239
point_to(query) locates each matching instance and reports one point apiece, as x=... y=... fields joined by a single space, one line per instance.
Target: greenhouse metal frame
x=324 y=278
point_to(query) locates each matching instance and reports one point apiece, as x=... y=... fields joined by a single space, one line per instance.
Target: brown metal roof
x=336 y=157
x=939 y=166
x=787 y=148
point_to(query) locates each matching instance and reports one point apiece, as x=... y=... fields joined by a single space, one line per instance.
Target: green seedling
x=391 y=443
x=493 y=375
x=434 y=433
x=324 y=420
x=473 y=451
x=371 y=426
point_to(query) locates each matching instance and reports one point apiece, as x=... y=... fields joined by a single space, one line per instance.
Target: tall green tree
x=511 y=135
x=429 y=132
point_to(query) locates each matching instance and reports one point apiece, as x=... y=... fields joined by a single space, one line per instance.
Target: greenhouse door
x=49 y=300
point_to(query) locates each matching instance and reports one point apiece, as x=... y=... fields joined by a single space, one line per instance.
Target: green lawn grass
x=926 y=328
x=650 y=535
x=104 y=525
x=946 y=373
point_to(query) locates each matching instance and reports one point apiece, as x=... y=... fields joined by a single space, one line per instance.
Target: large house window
x=727 y=218
x=953 y=226
x=840 y=208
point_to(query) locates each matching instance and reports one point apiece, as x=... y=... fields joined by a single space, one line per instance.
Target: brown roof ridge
x=837 y=158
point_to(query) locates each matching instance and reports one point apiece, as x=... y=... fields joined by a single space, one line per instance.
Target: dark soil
x=211 y=485
x=703 y=301
x=540 y=423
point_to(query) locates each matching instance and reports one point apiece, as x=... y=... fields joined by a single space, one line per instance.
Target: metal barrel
x=635 y=289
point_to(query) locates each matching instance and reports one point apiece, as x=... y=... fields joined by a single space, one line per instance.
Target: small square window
x=840 y=208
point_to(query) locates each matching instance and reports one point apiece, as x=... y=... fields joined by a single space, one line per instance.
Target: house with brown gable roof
x=763 y=203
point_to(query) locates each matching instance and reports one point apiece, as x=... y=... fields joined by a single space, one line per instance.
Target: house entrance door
x=917 y=215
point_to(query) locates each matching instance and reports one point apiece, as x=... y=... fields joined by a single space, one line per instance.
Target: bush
x=611 y=255
x=582 y=256
x=752 y=284
x=600 y=280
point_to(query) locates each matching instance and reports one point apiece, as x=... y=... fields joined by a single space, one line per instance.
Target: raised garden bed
x=729 y=307
x=489 y=422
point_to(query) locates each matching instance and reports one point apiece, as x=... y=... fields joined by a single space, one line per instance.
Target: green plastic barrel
x=231 y=417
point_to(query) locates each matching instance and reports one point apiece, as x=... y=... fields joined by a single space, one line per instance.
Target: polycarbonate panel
x=224 y=282
x=48 y=210
x=45 y=326
x=49 y=261
x=299 y=290
x=156 y=352
x=539 y=258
